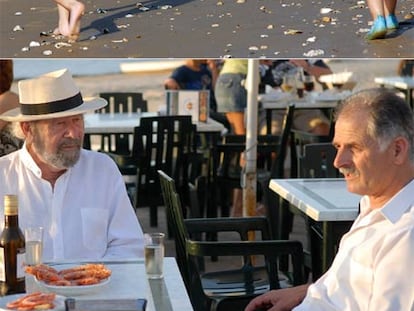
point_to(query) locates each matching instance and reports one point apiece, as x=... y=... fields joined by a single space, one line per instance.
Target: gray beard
x=60 y=159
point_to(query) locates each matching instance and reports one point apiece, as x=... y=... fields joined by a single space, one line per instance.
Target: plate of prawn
x=33 y=301
x=73 y=281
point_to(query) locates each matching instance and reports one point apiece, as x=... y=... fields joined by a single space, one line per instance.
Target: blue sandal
x=378 y=29
x=391 y=22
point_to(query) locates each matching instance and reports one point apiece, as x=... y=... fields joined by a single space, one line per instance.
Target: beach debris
x=314 y=53
x=292 y=32
x=253 y=48
x=59 y=45
x=270 y=26
x=47 y=52
x=219 y=3
x=264 y=36
x=93 y=37
x=359 y=5
x=215 y=25
x=120 y=40
x=101 y=11
x=129 y=15
x=141 y=7
x=311 y=39
x=264 y=9
x=34 y=44
x=17 y=28
x=409 y=16
x=25 y=49
x=326 y=19
x=165 y=7
x=241 y=1
x=18 y=13
x=326 y=10
x=123 y=26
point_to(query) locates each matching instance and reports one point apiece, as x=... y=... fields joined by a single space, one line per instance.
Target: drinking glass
x=154 y=254
x=34 y=245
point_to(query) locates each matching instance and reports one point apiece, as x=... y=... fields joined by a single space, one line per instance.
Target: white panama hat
x=52 y=95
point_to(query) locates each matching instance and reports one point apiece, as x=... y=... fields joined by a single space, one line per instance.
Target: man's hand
x=279 y=300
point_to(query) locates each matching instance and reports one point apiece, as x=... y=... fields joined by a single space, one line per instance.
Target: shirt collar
x=29 y=162
x=395 y=207
x=399 y=203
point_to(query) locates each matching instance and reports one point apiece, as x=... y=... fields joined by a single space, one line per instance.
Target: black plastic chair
x=120 y=103
x=230 y=290
x=160 y=143
x=271 y=150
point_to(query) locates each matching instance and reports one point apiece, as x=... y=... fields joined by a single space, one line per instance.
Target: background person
x=77 y=195
x=8 y=100
x=374 y=138
x=198 y=74
x=383 y=14
x=309 y=120
x=70 y=13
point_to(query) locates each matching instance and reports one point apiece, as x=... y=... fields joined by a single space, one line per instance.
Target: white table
x=280 y=100
x=327 y=202
x=405 y=84
x=124 y=123
x=129 y=281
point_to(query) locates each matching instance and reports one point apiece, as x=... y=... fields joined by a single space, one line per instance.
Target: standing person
x=231 y=96
x=8 y=100
x=374 y=138
x=77 y=195
x=383 y=15
x=70 y=13
x=197 y=74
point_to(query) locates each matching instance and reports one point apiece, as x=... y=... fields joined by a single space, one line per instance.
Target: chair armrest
x=272 y=250
x=242 y=225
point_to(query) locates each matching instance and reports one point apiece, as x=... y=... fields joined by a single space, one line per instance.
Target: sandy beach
x=205 y=28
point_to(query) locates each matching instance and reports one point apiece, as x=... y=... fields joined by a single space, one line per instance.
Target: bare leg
x=390 y=18
x=63 y=23
x=236 y=120
x=70 y=13
x=389 y=7
x=379 y=28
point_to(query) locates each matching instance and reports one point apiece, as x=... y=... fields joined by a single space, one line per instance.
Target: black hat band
x=52 y=107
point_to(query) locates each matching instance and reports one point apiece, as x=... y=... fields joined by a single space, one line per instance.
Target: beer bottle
x=12 y=250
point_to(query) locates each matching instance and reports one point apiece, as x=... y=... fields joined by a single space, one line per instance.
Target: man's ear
x=400 y=149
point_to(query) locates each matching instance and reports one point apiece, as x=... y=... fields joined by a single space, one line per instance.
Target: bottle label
x=21 y=256
x=2 y=267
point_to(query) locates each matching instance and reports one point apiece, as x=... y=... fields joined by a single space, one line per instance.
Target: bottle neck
x=11 y=221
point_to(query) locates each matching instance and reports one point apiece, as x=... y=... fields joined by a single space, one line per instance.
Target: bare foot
x=76 y=12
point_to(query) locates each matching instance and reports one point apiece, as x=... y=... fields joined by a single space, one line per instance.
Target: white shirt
x=373 y=269
x=87 y=215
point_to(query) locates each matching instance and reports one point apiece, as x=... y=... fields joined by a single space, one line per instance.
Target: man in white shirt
x=77 y=195
x=374 y=138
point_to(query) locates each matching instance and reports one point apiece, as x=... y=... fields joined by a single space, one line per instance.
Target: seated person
x=309 y=120
x=374 y=138
x=8 y=100
x=78 y=196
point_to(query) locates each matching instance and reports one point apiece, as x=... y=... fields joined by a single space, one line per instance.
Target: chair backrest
x=124 y=102
x=120 y=102
x=317 y=161
x=298 y=140
x=161 y=143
